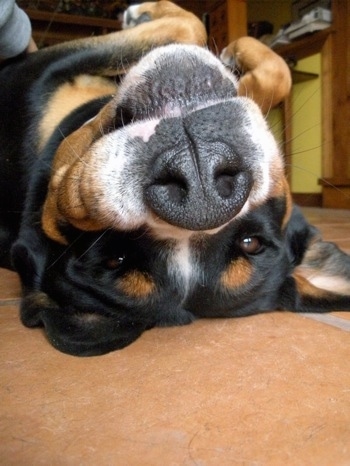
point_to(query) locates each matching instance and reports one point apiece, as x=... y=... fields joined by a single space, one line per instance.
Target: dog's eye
x=114 y=263
x=251 y=245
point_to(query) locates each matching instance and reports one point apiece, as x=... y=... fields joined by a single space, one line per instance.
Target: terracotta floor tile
x=335 y=319
x=344 y=244
x=9 y=285
x=335 y=232
x=270 y=389
x=320 y=216
x=343 y=315
x=266 y=390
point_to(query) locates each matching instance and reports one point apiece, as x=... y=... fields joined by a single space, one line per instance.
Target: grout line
x=334 y=321
x=9 y=302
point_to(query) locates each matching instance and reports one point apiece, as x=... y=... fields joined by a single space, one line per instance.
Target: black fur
x=77 y=291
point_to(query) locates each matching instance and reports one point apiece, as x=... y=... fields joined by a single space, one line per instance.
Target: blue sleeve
x=15 y=29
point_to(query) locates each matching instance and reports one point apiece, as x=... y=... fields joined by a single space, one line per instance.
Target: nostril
x=175 y=187
x=224 y=182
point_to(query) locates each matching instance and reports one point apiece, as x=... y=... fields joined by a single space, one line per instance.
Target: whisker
x=297 y=136
x=73 y=150
x=215 y=46
x=324 y=180
x=94 y=243
x=295 y=112
x=304 y=151
x=68 y=248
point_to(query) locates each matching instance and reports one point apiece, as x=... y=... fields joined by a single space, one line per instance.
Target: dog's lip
x=164 y=230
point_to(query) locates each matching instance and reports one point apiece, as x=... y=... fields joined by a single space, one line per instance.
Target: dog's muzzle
x=203 y=178
x=179 y=149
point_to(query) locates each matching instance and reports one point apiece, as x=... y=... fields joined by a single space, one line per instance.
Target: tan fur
x=137 y=285
x=281 y=189
x=319 y=267
x=63 y=201
x=68 y=97
x=238 y=274
x=171 y=24
x=39 y=299
x=266 y=77
x=289 y=204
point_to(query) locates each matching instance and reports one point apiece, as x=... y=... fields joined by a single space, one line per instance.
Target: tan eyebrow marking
x=237 y=274
x=137 y=284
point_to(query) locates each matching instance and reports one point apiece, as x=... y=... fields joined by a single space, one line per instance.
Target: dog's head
x=170 y=204
x=176 y=147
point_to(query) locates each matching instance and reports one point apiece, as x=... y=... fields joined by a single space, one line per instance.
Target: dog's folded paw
x=228 y=58
x=133 y=16
x=169 y=23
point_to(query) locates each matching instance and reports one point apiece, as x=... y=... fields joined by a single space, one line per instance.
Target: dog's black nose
x=198 y=199
x=201 y=182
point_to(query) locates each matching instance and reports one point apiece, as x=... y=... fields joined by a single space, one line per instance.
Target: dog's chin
x=173 y=80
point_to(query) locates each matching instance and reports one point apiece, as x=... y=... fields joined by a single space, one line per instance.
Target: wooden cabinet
x=334 y=46
x=226 y=22
x=336 y=109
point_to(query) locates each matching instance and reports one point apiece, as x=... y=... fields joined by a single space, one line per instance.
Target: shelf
x=304 y=47
x=62 y=18
x=51 y=28
x=302 y=76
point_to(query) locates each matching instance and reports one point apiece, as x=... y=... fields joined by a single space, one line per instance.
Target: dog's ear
x=69 y=330
x=77 y=333
x=28 y=257
x=72 y=331
x=320 y=280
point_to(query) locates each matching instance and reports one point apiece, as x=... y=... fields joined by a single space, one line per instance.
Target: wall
x=306 y=103
x=306 y=143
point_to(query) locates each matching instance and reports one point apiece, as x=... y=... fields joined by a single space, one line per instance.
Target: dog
x=140 y=187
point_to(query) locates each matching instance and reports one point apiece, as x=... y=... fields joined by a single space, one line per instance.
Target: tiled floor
x=272 y=389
